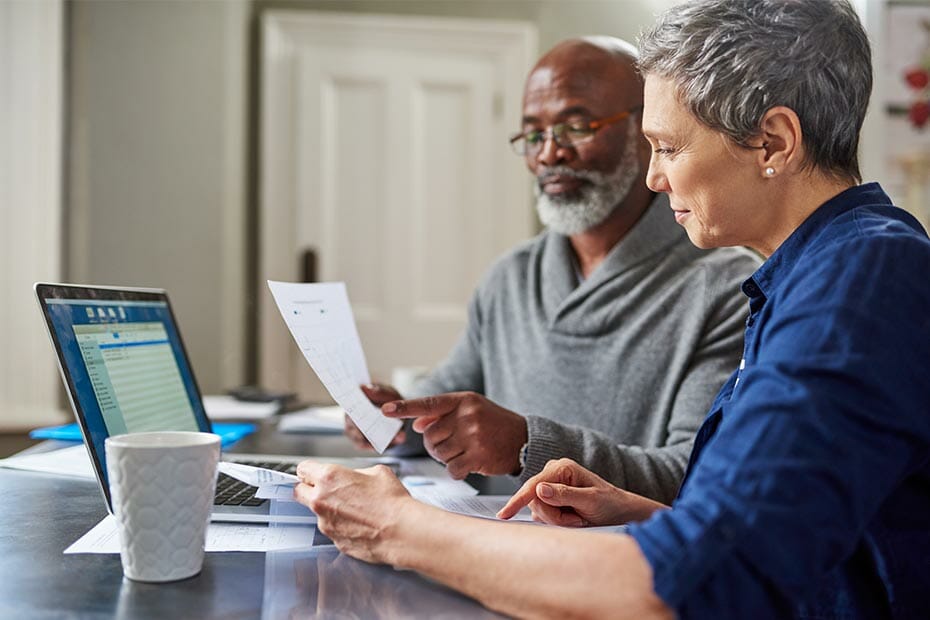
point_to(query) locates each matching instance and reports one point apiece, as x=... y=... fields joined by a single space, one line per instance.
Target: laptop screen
x=123 y=360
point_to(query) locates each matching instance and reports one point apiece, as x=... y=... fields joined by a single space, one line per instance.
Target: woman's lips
x=681 y=215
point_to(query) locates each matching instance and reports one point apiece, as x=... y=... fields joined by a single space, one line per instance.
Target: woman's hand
x=356 y=509
x=565 y=493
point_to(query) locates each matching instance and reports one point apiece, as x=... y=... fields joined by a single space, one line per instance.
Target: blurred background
x=205 y=146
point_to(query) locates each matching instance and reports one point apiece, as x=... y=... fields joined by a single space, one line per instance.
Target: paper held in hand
x=321 y=322
x=257 y=476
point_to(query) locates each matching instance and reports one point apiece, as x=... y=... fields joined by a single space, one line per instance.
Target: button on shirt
x=808 y=490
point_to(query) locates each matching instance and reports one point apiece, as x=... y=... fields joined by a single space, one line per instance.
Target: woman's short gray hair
x=733 y=60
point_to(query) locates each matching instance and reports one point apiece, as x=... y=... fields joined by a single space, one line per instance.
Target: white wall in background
x=157 y=163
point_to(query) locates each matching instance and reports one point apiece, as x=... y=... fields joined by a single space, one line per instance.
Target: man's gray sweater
x=616 y=372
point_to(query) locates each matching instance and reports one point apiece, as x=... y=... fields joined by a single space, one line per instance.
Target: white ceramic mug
x=162 y=486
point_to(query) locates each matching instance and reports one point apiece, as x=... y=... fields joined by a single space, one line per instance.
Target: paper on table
x=313 y=420
x=221 y=407
x=424 y=488
x=104 y=537
x=425 y=467
x=424 y=476
x=70 y=461
x=484 y=506
x=320 y=320
x=277 y=492
x=487 y=507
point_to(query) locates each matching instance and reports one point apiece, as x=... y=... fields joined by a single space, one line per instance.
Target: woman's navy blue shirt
x=808 y=491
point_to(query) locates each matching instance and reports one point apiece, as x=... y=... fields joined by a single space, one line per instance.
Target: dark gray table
x=43 y=514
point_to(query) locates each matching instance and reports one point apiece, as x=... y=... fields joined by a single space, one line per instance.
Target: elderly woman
x=808 y=490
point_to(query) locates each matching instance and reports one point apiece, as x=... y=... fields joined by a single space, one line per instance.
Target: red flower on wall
x=917 y=77
x=918 y=80
x=919 y=113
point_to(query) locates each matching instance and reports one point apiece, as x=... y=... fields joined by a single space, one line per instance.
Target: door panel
x=384 y=149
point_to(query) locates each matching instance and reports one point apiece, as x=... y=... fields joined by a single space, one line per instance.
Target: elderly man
x=605 y=338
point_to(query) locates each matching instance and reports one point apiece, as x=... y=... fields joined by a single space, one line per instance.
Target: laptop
x=126 y=371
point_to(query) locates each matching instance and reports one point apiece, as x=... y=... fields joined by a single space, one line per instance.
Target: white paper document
x=313 y=420
x=104 y=537
x=70 y=461
x=271 y=484
x=423 y=477
x=222 y=407
x=256 y=476
x=277 y=492
x=320 y=320
x=484 y=506
x=426 y=487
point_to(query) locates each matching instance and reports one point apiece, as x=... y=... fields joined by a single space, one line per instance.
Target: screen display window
x=135 y=377
x=126 y=366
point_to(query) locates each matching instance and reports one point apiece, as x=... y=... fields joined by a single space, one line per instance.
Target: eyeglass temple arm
x=612 y=119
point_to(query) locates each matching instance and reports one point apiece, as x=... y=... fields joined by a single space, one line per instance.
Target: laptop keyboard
x=232 y=492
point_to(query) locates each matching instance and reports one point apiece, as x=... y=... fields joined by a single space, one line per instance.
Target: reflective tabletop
x=42 y=514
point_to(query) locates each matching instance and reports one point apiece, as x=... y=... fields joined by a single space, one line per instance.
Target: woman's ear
x=781 y=147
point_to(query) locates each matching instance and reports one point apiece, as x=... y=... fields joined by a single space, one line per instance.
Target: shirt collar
x=785 y=256
x=655 y=231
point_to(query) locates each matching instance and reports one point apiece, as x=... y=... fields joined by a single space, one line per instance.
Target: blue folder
x=229 y=432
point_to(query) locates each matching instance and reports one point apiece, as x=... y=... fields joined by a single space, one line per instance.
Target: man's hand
x=354 y=508
x=466 y=431
x=378 y=395
x=565 y=493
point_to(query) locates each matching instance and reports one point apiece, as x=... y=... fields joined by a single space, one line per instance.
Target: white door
x=384 y=159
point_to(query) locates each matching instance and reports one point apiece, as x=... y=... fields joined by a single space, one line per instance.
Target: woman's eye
x=663 y=150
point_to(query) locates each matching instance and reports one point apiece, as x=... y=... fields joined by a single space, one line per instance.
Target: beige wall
x=31 y=82
x=157 y=163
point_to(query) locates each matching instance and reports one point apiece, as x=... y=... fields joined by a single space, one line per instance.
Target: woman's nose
x=655 y=178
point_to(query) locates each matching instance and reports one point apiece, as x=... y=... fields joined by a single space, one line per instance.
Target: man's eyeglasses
x=566 y=135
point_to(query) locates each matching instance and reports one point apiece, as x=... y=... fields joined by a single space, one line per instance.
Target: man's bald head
x=599 y=61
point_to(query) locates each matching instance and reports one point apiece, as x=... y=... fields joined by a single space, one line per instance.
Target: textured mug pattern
x=162 y=498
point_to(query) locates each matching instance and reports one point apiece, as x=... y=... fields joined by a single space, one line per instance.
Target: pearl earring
x=769 y=172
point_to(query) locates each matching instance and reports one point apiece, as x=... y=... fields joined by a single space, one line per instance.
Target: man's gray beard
x=596 y=200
